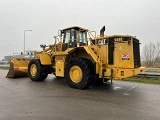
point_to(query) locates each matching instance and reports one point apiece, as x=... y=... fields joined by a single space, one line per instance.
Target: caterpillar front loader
x=84 y=59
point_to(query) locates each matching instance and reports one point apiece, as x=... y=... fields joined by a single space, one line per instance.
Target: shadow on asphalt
x=50 y=80
x=98 y=87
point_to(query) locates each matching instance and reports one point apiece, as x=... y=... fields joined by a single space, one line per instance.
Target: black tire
x=44 y=76
x=84 y=82
x=40 y=73
x=93 y=76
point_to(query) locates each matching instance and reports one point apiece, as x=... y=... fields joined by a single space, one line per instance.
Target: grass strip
x=143 y=80
x=4 y=68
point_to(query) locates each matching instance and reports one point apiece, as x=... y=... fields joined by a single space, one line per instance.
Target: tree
x=151 y=54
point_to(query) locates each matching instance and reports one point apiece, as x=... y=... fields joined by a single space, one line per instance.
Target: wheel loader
x=83 y=58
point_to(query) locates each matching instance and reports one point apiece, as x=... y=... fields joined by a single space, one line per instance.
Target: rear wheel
x=77 y=73
x=36 y=71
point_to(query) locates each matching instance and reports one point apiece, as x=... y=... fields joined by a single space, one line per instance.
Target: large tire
x=92 y=78
x=78 y=73
x=36 y=71
x=44 y=76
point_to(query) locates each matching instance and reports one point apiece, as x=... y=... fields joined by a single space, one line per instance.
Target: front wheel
x=36 y=71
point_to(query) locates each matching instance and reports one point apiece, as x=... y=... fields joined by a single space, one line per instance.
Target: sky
x=140 y=18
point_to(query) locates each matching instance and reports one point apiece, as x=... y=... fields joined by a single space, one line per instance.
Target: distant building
x=3 y=61
x=8 y=58
x=29 y=54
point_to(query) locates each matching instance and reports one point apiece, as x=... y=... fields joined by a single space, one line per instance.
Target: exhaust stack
x=102 y=31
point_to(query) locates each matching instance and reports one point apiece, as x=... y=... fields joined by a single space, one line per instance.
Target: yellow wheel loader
x=83 y=58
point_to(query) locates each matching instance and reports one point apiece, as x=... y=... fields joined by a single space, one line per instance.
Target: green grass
x=143 y=80
x=4 y=68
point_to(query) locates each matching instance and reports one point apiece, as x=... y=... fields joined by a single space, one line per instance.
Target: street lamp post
x=24 y=41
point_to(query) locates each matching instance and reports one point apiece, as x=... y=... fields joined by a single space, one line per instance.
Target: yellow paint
x=107 y=73
x=33 y=70
x=18 y=65
x=45 y=59
x=103 y=52
x=122 y=68
x=59 y=68
x=124 y=73
x=120 y=73
x=120 y=49
x=76 y=74
x=90 y=51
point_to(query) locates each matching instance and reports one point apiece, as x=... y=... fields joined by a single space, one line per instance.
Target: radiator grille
x=136 y=53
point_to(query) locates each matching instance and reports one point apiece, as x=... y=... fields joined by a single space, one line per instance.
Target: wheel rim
x=33 y=70
x=76 y=74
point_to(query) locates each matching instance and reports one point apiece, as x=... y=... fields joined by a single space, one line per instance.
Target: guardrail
x=149 y=75
x=4 y=65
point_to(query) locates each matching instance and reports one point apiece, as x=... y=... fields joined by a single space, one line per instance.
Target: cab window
x=66 y=37
x=83 y=37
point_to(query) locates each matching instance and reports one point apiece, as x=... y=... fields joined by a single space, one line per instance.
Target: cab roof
x=76 y=28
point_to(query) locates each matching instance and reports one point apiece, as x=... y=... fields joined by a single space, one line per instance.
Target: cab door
x=73 y=41
x=66 y=39
x=69 y=39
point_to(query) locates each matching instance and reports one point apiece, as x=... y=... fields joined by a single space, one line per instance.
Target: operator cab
x=73 y=37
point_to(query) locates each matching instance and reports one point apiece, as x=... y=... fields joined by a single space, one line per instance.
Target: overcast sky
x=140 y=18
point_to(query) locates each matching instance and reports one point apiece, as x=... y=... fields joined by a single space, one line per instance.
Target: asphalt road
x=53 y=99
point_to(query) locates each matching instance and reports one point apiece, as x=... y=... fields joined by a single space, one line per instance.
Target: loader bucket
x=18 y=68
